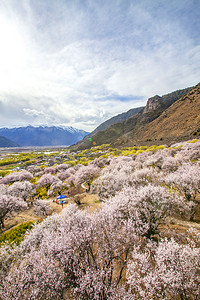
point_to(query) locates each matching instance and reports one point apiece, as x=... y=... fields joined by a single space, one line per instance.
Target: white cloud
x=61 y=62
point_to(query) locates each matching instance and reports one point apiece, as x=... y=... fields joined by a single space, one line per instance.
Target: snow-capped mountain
x=43 y=135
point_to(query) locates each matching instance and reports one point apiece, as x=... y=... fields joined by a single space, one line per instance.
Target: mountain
x=113 y=134
x=181 y=121
x=117 y=119
x=43 y=135
x=4 y=142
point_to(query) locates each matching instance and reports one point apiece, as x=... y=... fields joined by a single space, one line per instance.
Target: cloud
x=81 y=62
x=35 y=113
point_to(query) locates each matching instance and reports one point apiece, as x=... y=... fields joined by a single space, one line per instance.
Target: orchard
x=131 y=247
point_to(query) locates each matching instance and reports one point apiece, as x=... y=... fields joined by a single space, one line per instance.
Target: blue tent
x=60 y=197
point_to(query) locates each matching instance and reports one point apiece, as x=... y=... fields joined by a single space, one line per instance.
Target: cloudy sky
x=80 y=62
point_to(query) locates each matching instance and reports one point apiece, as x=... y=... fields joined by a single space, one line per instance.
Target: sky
x=80 y=62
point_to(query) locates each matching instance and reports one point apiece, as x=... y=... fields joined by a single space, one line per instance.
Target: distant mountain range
x=42 y=136
x=164 y=119
x=4 y=142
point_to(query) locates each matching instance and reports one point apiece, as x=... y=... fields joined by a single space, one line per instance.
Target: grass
x=16 y=235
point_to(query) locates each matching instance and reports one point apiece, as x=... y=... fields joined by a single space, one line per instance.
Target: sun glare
x=12 y=49
x=13 y=52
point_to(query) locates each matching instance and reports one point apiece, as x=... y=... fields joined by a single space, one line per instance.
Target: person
x=88 y=187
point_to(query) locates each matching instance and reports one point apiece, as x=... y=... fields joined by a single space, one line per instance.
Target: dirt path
x=19 y=218
x=187 y=224
x=87 y=200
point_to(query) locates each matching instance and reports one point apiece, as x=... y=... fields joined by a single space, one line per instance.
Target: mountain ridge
x=117 y=119
x=180 y=121
x=4 y=142
x=153 y=109
x=43 y=135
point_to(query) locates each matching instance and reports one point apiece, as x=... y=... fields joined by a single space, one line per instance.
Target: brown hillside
x=118 y=133
x=180 y=121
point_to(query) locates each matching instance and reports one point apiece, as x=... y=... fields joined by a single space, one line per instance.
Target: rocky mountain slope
x=181 y=121
x=43 y=135
x=117 y=133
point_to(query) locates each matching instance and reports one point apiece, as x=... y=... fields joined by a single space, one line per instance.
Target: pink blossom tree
x=82 y=174
x=56 y=187
x=81 y=254
x=49 y=170
x=46 y=180
x=148 y=206
x=85 y=173
x=36 y=276
x=42 y=208
x=187 y=180
x=7 y=254
x=25 y=175
x=16 y=176
x=100 y=162
x=34 y=169
x=8 y=205
x=3 y=189
x=61 y=167
x=171 y=164
x=22 y=189
x=165 y=271
x=67 y=172
x=63 y=175
x=113 y=177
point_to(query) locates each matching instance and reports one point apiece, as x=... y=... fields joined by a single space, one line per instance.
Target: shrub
x=16 y=235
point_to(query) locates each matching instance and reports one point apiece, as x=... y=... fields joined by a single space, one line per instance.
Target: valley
x=120 y=204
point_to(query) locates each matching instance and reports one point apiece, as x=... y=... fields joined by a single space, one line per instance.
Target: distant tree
x=171 y=164
x=143 y=176
x=113 y=177
x=65 y=174
x=85 y=173
x=41 y=208
x=16 y=176
x=56 y=187
x=34 y=169
x=22 y=189
x=99 y=162
x=49 y=170
x=142 y=157
x=46 y=180
x=61 y=167
x=25 y=175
